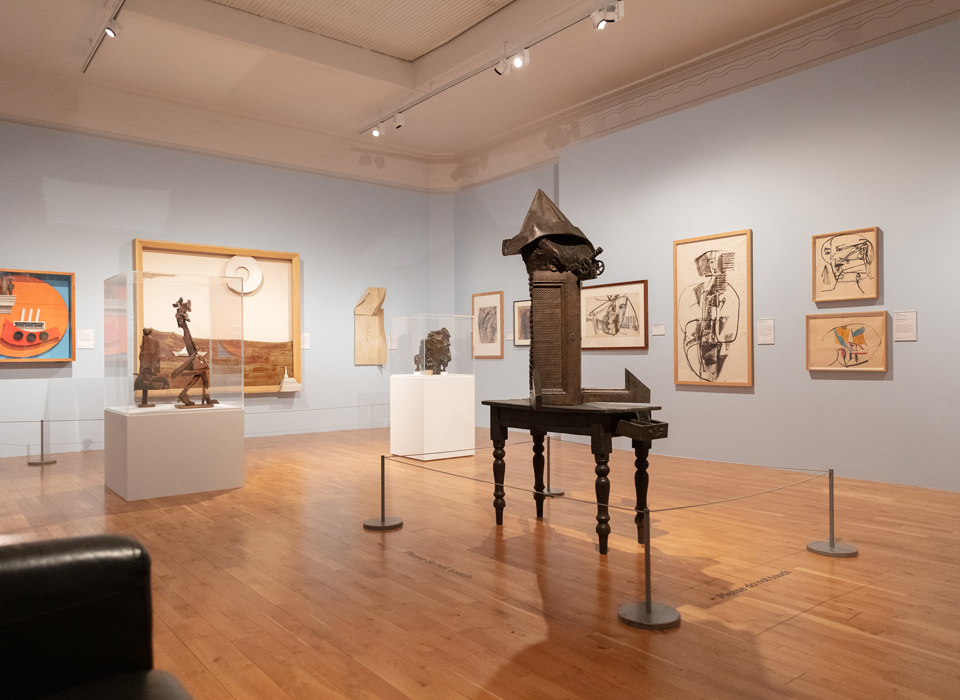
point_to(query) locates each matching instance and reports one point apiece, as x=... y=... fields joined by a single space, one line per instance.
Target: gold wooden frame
x=72 y=309
x=644 y=342
x=850 y=317
x=140 y=246
x=473 y=325
x=872 y=234
x=746 y=305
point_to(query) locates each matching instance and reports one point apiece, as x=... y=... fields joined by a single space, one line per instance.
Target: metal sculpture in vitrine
x=149 y=376
x=194 y=366
x=434 y=352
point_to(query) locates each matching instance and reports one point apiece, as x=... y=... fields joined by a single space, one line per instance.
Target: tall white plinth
x=165 y=451
x=432 y=417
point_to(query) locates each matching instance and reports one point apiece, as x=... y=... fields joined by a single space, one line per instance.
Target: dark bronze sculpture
x=435 y=351
x=149 y=376
x=194 y=365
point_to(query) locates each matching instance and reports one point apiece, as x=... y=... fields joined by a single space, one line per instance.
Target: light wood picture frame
x=614 y=316
x=851 y=341
x=713 y=310
x=37 y=316
x=846 y=265
x=271 y=309
x=488 y=326
x=521 y=322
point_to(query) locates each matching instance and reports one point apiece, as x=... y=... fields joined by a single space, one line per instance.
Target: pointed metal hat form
x=543 y=219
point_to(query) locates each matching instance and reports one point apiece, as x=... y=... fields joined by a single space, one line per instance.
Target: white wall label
x=392 y=342
x=658 y=329
x=304 y=341
x=508 y=336
x=84 y=339
x=765 y=331
x=904 y=325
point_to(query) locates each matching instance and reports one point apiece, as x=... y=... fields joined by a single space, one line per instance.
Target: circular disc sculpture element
x=246 y=268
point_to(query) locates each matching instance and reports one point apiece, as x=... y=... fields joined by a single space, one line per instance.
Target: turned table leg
x=499 y=470
x=603 y=498
x=538 y=463
x=641 y=480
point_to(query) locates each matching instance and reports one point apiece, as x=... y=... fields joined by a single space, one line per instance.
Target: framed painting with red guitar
x=36 y=316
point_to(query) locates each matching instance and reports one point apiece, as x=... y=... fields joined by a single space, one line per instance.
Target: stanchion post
x=648 y=615
x=549 y=491
x=383 y=522
x=42 y=462
x=832 y=548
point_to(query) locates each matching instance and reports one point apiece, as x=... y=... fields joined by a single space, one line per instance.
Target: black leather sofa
x=76 y=622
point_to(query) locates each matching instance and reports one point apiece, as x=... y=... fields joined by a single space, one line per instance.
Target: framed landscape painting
x=521 y=322
x=488 y=325
x=614 y=316
x=848 y=342
x=713 y=310
x=846 y=265
x=37 y=316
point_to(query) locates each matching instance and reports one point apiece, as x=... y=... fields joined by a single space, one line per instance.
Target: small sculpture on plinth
x=435 y=351
x=149 y=376
x=194 y=366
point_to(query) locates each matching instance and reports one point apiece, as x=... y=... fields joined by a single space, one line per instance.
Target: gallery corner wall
x=872 y=139
x=74 y=203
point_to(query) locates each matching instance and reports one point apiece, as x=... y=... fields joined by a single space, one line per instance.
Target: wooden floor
x=275 y=591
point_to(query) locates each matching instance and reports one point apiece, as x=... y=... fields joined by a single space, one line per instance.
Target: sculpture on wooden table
x=369 y=339
x=434 y=352
x=194 y=366
x=149 y=376
x=559 y=257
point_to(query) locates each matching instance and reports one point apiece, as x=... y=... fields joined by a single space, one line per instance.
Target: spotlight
x=397 y=121
x=610 y=13
x=502 y=67
x=112 y=29
x=375 y=131
x=520 y=59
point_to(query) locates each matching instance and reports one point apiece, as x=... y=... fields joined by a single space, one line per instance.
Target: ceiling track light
x=112 y=29
x=377 y=130
x=517 y=60
x=502 y=68
x=397 y=120
x=612 y=12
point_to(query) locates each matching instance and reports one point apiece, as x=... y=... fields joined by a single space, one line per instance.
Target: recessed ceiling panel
x=405 y=29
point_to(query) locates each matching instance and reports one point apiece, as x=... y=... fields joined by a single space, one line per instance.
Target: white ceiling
x=294 y=82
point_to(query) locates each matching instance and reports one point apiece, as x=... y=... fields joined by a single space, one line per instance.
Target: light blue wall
x=74 y=203
x=869 y=140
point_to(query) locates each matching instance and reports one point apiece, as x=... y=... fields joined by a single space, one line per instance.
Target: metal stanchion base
x=660 y=617
x=384 y=524
x=553 y=492
x=42 y=462
x=839 y=549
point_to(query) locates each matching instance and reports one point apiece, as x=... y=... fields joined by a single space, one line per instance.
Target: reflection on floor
x=275 y=590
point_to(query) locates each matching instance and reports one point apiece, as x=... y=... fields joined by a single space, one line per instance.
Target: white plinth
x=432 y=417
x=165 y=451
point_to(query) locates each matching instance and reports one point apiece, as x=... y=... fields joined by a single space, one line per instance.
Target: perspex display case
x=134 y=301
x=408 y=343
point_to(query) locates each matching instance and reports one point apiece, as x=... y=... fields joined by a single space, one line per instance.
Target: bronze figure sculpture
x=435 y=351
x=149 y=376
x=194 y=366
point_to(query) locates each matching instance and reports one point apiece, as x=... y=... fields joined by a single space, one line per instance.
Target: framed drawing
x=37 y=316
x=614 y=316
x=713 y=309
x=852 y=341
x=271 y=302
x=521 y=322
x=846 y=265
x=488 y=325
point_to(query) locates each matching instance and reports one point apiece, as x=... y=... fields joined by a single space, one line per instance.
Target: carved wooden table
x=601 y=422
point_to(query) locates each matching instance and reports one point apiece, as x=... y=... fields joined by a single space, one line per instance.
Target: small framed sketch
x=713 y=310
x=851 y=341
x=488 y=325
x=521 y=322
x=36 y=316
x=614 y=316
x=846 y=265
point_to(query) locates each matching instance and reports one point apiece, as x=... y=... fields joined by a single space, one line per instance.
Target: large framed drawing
x=851 y=341
x=846 y=265
x=270 y=295
x=521 y=322
x=614 y=316
x=713 y=310
x=488 y=325
x=37 y=316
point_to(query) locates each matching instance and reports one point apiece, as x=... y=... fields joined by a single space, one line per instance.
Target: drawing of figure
x=710 y=315
x=614 y=314
x=847 y=259
x=488 y=324
x=855 y=344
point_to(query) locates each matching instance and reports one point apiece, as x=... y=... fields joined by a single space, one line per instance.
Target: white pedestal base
x=164 y=451
x=432 y=417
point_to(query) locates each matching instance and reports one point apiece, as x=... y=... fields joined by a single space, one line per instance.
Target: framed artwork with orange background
x=36 y=316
